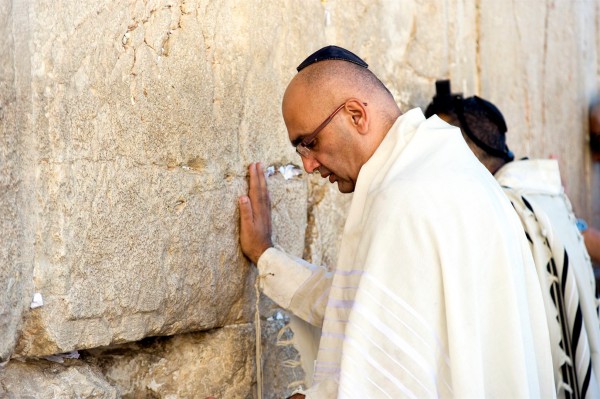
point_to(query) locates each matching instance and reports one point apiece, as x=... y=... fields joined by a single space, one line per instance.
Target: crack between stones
x=545 y=59
x=310 y=236
x=14 y=60
x=478 y=46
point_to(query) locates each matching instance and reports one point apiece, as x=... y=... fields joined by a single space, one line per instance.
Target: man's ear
x=358 y=112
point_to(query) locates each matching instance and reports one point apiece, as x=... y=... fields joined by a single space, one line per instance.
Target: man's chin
x=345 y=187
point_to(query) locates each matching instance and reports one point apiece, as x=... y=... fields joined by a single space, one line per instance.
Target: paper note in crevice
x=290 y=171
x=37 y=301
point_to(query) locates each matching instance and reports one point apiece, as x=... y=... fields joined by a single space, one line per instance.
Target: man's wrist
x=260 y=253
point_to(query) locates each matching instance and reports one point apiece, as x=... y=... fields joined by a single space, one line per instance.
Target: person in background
x=434 y=293
x=592 y=234
x=594 y=133
x=562 y=262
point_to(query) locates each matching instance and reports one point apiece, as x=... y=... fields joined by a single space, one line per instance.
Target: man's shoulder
x=415 y=193
x=540 y=176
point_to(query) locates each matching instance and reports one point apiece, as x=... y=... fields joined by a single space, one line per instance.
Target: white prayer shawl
x=564 y=270
x=435 y=293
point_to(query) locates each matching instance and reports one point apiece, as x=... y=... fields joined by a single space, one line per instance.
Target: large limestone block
x=217 y=363
x=145 y=115
x=16 y=249
x=10 y=307
x=167 y=265
x=116 y=268
x=49 y=380
x=164 y=83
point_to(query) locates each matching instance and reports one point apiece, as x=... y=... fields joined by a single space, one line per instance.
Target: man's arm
x=295 y=284
x=291 y=282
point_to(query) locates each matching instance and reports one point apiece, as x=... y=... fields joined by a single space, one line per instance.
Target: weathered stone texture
x=217 y=363
x=16 y=246
x=280 y=358
x=44 y=379
x=145 y=118
x=165 y=266
x=327 y=212
x=10 y=309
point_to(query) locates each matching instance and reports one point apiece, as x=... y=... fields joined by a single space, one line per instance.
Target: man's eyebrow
x=298 y=140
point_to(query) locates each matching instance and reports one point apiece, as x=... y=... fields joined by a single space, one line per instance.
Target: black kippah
x=492 y=111
x=493 y=142
x=444 y=101
x=332 y=53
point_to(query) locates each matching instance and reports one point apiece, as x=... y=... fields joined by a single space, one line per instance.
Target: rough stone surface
x=281 y=360
x=49 y=380
x=16 y=244
x=128 y=280
x=217 y=363
x=327 y=212
x=9 y=181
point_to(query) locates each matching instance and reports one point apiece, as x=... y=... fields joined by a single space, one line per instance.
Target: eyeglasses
x=303 y=148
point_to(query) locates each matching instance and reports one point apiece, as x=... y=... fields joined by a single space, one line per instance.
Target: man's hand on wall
x=255 y=215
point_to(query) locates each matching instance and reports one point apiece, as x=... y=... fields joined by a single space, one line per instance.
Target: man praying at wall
x=434 y=293
x=562 y=263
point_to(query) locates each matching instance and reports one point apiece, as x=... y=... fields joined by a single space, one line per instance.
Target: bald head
x=333 y=81
x=326 y=84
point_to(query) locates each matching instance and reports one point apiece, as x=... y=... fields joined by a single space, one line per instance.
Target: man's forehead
x=295 y=109
x=297 y=124
x=295 y=89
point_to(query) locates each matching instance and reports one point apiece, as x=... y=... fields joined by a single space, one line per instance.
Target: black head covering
x=492 y=113
x=444 y=100
x=332 y=53
x=492 y=142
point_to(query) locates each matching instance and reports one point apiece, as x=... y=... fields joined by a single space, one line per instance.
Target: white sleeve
x=295 y=284
x=323 y=390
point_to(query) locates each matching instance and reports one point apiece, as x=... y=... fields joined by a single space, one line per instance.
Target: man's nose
x=310 y=164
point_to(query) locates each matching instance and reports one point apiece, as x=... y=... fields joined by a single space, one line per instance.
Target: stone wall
x=126 y=129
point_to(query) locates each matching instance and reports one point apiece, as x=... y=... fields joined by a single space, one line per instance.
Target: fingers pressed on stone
x=262 y=181
x=245 y=209
x=254 y=185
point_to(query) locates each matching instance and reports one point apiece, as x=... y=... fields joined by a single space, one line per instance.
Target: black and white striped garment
x=572 y=362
